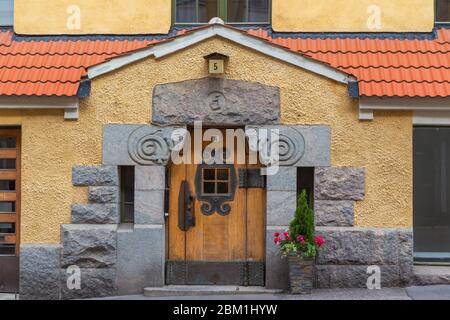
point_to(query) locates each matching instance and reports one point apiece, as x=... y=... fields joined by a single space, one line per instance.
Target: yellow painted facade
x=353 y=15
x=52 y=146
x=47 y=17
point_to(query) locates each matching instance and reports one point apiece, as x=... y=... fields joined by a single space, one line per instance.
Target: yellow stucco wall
x=154 y=16
x=95 y=16
x=352 y=15
x=51 y=146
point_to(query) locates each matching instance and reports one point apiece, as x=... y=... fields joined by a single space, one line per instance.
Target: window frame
x=222 y=13
x=216 y=181
x=127 y=173
x=436 y=15
x=9 y=24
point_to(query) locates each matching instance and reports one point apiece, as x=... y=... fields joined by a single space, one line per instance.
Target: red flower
x=277 y=240
x=301 y=238
x=286 y=233
x=319 y=241
x=276 y=234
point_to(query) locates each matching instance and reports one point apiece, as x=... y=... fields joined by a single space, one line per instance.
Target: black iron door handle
x=186 y=207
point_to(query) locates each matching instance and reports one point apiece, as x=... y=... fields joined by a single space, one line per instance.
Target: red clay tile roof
x=383 y=66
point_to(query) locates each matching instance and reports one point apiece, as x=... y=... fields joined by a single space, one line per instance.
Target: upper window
x=6 y=13
x=231 y=11
x=443 y=11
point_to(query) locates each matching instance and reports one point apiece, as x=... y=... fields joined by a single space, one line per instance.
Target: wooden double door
x=216 y=227
x=9 y=209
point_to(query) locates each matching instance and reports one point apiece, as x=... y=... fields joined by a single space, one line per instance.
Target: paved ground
x=441 y=292
x=411 y=293
x=4 y=296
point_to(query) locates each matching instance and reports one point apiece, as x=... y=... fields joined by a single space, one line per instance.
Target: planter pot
x=301 y=274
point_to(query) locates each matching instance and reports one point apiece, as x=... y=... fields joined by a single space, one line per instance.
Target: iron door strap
x=251 y=178
x=186 y=214
x=241 y=273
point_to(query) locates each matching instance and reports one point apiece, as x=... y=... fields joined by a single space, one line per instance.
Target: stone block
x=138 y=265
x=334 y=213
x=150 y=177
x=95 y=283
x=149 y=207
x=39 y=272
x=339 y=183
x=89 y=246
x=281 y=207
x=366 y=246
x=216 y=101
x=95 y=176
x=284 y=180
x=354 y=276
x=406 y=260
x=277 y=268
x=95 y=214
x=359 y=246
x=299 y=146
x=104 y=194
x=145 y=145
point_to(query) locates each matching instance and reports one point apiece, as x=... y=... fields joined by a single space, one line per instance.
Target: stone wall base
x=350 y=252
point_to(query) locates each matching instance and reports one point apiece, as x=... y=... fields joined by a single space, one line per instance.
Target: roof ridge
x=39 y=81
x=404 y=81
x=374 y=52
x=64 y=54
x=42 y=67
x=393 y=67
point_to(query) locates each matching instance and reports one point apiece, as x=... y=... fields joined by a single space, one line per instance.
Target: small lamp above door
x=216 y=63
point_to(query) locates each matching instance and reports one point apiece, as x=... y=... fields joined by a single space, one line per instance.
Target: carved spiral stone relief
x=291 y=146
x=147 y=146
x=289 y=142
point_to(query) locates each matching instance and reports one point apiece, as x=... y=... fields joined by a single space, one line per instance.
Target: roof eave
x=192 y=37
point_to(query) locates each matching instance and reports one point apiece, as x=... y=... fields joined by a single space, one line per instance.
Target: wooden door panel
x=177 y=237
x=238 y=236
x=256 y=221
x=8 y=175
x=8 y=196
x=8 y=153
x=237 y=224
x=215 y=240
x=256 y=204
x=10 y=146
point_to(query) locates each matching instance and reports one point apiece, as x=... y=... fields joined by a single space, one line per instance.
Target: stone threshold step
x=431 y=275
x=168 y=291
